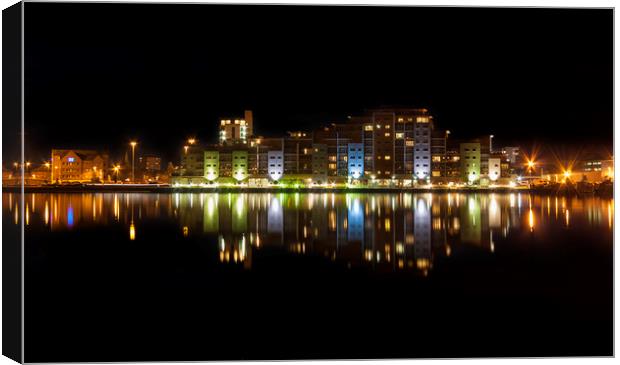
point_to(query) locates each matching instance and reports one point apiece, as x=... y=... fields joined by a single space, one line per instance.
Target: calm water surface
x=274 y=276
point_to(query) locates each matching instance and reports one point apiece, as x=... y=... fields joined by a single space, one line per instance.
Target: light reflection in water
x=397 y=231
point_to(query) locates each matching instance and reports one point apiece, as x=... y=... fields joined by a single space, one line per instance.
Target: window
x=436 y=158
x=387 y=134
x=368 y=127
x=409 y=143
x=387 y=126
x=399 y=135
x=387 y=157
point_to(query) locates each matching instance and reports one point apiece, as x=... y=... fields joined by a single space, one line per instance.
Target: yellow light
x=531 y=220
x=132 y=232
x=567 y=174
x=47 y=164
x=191 y=141
x=133 y=143
x=531 y=164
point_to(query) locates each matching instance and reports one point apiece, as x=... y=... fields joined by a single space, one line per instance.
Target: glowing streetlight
x=191 y=141
x=186 y=148
x=133 y=158
x=116 y=170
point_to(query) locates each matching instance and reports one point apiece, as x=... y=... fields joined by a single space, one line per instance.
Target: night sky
x=100 y=74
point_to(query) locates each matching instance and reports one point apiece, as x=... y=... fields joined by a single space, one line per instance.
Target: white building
x=494 y=169
x=275 y=165
x=355 y=160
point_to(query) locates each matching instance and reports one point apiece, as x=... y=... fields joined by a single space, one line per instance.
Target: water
x=280 y=276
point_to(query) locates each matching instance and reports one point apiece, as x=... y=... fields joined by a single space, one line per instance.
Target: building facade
x=470 y=162
x=79 y=165
x=355 y=159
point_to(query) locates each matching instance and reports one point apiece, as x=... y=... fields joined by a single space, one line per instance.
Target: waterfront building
x=275 y=164
x=319 y=163
x=494 y=168
x=388 y=137
x=355 y=159
x=470 y=162
x=439 y=147
x=79 y=165
x=422 y=147
x=236 y=130
x=240 y=165
x=150 y=163
x=211 y=165
x=297 y=155
x=192 y=160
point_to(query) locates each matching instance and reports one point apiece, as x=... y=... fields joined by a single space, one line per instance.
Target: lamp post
x=116 y=169
x=257 y=158
x=491 y=143
x=47 y=164
x=133 y=158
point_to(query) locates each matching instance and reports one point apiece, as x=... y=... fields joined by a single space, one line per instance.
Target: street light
x=191 y=141
x=116 y=170
x=257 y=158
x=491 y=143
x=133 y=158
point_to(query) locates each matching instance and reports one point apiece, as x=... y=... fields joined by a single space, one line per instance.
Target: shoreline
x=113 y=188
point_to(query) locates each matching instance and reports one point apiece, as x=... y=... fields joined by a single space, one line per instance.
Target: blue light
x=70 y=216
x=70 y=159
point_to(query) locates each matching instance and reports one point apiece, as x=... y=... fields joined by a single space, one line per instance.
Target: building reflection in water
x=388 y=232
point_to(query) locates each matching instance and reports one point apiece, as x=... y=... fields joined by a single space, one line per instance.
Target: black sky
x=100 y=74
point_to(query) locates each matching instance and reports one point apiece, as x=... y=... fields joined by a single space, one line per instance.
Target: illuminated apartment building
x=470 y=162
x=237 y=130
x=79 y=165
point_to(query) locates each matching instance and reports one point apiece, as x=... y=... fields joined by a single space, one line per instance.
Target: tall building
x=211 y=165
x=275 y=164
x=355 y=159
x=237 y=130
x=388 y=136
x=422 y=149
x=470 y=162
x=319 y=163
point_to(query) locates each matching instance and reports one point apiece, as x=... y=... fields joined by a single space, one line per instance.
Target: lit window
x=387 y=157
x=387 y=134
x=409 y=143
x=422 y=119
x=436 y=158
x=387 y=126
x=368 y=127
x=332 y=166
x=378 y=126
x=399 y=135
